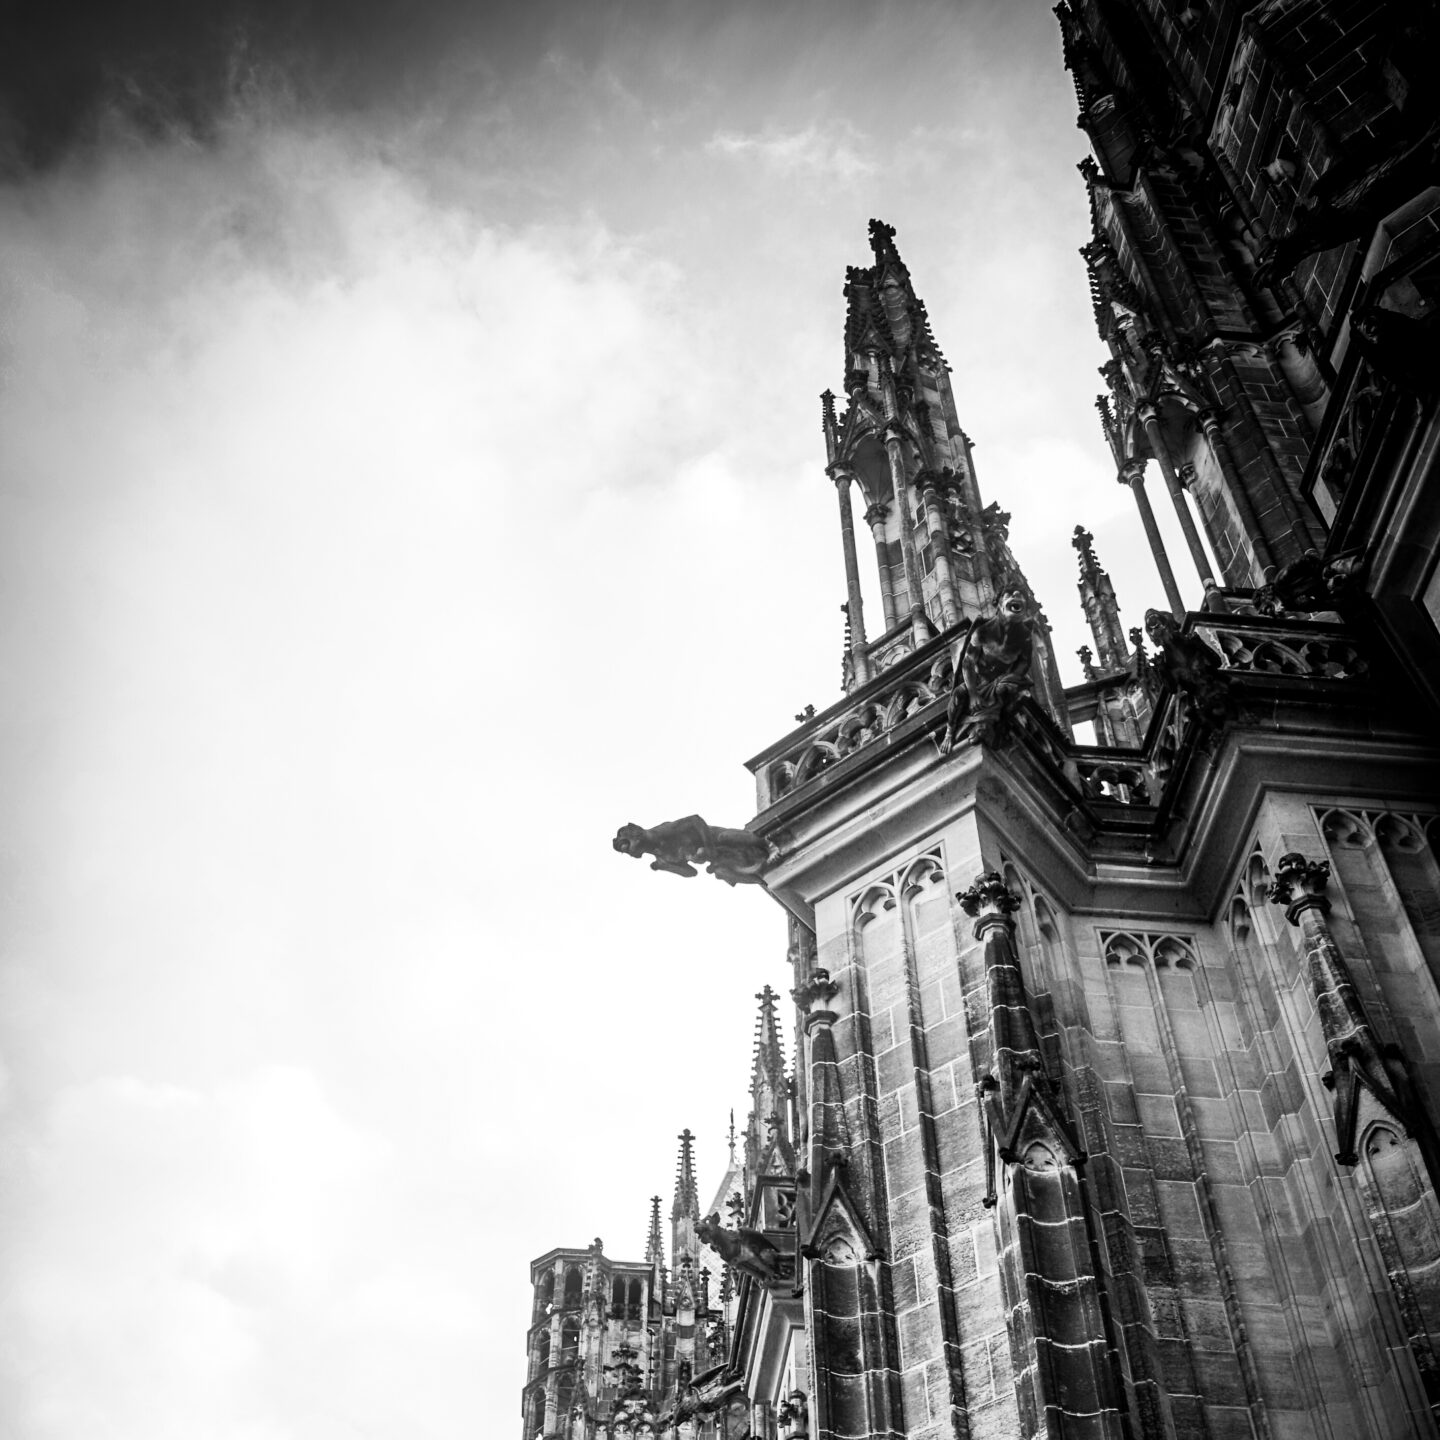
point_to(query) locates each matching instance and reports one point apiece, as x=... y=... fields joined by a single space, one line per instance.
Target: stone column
x=1220 y=449
x=940 y=544
x=900 y=486
x=875 y=518
x=1354 y=1049
x=1151 y=421
x=829 y=1131
x=858 y=657
x=1132 y=473
x=1062 y=1340
x=1015 y=1050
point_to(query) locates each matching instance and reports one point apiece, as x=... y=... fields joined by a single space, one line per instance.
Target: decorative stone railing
x=1303 y=649
x=1131 y=787
x=1249 y=646
x=914 y=682
x=891 y=648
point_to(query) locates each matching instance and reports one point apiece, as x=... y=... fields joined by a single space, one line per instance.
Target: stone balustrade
x=912 y=694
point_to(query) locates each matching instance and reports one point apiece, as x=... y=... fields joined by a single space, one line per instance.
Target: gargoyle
x=1349 y=200
x=744 y=1249
x=1189 y=664
x=1401 y=348
x=735 y=856
x=992 y=675
x=1311 y=583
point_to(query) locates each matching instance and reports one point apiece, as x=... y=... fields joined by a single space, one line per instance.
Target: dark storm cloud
x=69 y=68
x=168 y=66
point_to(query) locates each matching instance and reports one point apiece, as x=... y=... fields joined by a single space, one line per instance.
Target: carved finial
x=882 y=240
x=1087 y=659
x=827 y=406
x=1084 y=543
x=814 y=998
x=732 y=1135
x=1310 y=877
x=990 y=901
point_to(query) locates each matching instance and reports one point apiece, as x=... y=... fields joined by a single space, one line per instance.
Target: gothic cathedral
x=1116 y=1079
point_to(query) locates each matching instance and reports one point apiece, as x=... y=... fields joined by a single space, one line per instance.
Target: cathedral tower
x=1116 y=1075
x=1115 y=1072
x=1264 y=272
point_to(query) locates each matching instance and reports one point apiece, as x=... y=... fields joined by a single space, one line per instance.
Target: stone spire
x=687 y=1200
x=898 y=456
x=685 y=1209
x=654 y=1245
x=1102 y=610
x=769 y=1093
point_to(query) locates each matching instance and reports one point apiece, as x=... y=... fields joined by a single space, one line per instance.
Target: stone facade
x=1117 y=1065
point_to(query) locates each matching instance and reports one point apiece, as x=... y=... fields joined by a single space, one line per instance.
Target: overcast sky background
x=410 y=469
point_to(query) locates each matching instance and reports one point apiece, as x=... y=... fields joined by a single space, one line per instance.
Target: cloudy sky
x=410 y=470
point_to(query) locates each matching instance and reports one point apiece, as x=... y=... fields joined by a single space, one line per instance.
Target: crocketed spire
x=654 y=1245
x=687 y=1199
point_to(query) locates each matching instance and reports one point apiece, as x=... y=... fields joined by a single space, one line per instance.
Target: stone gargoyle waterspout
x=736 y=856
x=748 y=1251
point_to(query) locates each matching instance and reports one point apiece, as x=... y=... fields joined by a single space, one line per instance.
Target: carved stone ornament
x=1189 y=664
x=1359 y=1061
x=814 y=1000
x=1294 y=873
x=993 y=675
x=793 y=1416
x=1348 y=201
x=1311 y=583
x=736 y=856
x=1402 y=349
x=748 y=1251
x=989 y=901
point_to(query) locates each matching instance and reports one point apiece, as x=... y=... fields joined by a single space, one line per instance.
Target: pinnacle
x=654 y=1246
x=687 y=1199
x=1084 y=543
x=882 y=241
x=769 y=1061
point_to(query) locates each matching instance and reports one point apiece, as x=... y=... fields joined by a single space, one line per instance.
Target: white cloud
x=330 y=513
x=830 y=152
